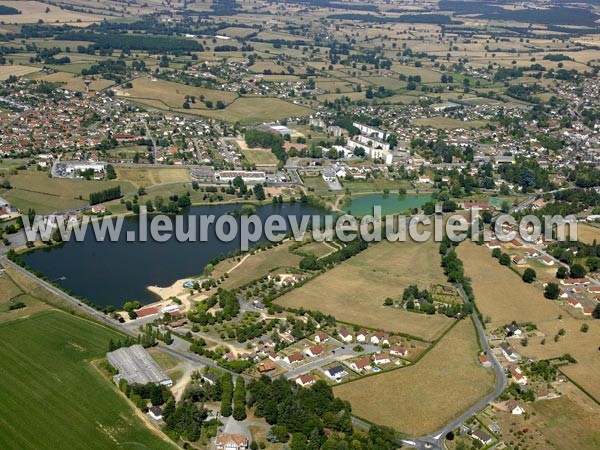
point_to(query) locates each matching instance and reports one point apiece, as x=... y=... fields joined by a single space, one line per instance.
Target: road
x=436 y=440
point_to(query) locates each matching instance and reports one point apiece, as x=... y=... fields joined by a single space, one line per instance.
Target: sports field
x=355 y=290
x=52 y=396
x=420 y=399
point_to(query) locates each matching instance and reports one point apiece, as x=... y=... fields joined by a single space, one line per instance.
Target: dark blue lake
x=111 y=273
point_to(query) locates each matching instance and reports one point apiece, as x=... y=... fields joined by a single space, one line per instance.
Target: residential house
x=482 y=436
x=267 y=366
x=294 y=358
x=210 y=378
x=379 y=338
x=306 y=380
x=575 y=281
x=361 y=364
x=381 y=358
x=518 y=260
x=155 y=412
x=361 y=336
x=547 y=261
x=575 y=303
x=321 y=337
x=513 y=330
x=315 y=351
x=231 y=442
x=484 y=361
x=345 y=336
x=398 y=350
x=336 y=373
x=509 y=352
x=517 y=375
x=513 y=407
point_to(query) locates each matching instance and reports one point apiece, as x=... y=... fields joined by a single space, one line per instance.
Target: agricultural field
x=34 y=189
x=32 y=12
x=357 y=288
x=588 y=233
x=167 y=94
x=502 y=296
x=74 y=83
x=447 y=123
x=16 y=70
x=145 y=176
x=253 y=110
x=10 y=293
x=499 y=292
x=42 y=356
x=447 y=381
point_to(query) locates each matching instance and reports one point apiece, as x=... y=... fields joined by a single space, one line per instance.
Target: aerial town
x=123 y=114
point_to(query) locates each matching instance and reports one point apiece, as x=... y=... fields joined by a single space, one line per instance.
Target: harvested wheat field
x=500 y=293
x=355 y=290
x=16 y=70
x=447 y=381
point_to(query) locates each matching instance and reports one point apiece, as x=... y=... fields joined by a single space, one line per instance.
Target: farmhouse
x=137 y=366
x=231 y=442
x=509 y=352
x=306 y=380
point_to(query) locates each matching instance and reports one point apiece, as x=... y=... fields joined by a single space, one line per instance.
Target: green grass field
x=51 y=395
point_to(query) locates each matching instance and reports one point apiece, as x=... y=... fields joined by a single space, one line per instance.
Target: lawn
x=446 y=382
x=356 y=289
x=53 y=397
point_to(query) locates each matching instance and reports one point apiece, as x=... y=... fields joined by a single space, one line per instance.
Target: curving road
x=436 y=440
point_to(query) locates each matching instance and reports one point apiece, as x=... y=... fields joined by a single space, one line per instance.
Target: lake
x=391 y=203
x=111 y=273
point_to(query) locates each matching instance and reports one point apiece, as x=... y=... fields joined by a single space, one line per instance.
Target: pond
x=390 y=203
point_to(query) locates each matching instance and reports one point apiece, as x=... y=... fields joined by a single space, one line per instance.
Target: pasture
x=33 y=189
x=53 y=397
x=10 y=293
x=588 y=233
x=253 y=110
x=447 y=381
x=357 y=288
x=447 y=123
x=74 y=83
